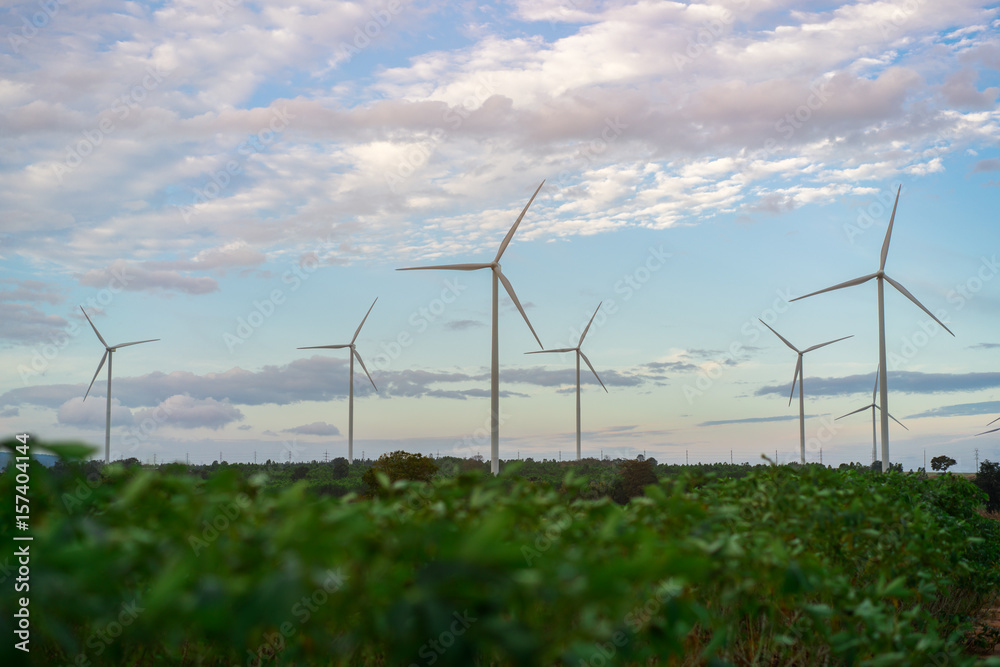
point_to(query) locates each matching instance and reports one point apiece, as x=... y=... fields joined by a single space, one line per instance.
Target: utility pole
x=730 y=457
x=821 y=454
x=977 y=460
x=925 y=460
x=187 y=459
x=685 y=457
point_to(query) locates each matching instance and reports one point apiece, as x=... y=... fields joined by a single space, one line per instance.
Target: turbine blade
x=591 y=367
x=888 y=232
x=324 y=347
x=563 y=349
x=867 y=407
x=513 y=297
x=587 y=328
x=994 y=421
x=875 y=388
x=135 y=343
x=362 y=362
x=363 y=321
x=798 y=369
x=448 y=267
x=510 y=234
x=849 y=283
x=99 y=367
x=783 y=339
x=990 y=431
x=912 y=298
x=829 y=342
x=891 y=417
x=99 y=336
x=897 y=421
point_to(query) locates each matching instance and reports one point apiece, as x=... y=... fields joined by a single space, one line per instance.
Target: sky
x=241 y=179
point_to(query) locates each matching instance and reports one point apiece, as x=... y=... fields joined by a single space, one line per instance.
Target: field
x=777 y=566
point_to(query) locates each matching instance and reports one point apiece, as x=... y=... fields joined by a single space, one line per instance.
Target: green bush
x=782 y=566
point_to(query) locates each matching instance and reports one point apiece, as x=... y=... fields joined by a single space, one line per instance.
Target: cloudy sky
x=240 y=179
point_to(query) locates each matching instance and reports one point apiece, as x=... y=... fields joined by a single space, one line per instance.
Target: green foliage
x=988 y=479
x=779 y=566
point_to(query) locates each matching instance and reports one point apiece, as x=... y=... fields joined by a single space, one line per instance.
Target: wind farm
x=240 y=178
x=881 y=277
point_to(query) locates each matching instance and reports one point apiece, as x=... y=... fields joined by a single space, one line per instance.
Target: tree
x=942 y=463
x=340 y=467
x=634 y=476
x=300 y=472
x=988 y=479
x=399 y=465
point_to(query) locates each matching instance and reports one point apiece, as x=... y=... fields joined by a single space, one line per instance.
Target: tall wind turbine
x=108 y=350
x=494 y=266
x=881 y=278
x=799 y=375
x=350 y=385
x=873 y=408
x=579 y=354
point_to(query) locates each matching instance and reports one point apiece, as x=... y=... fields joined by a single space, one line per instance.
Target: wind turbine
x=350 y=391
x=991 y=430
x=108 y=350
x=881 y=278
x=498 y=276
x=799 y=375
x=579 y=354
x=873 y=407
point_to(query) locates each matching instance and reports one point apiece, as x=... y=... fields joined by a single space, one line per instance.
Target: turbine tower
x=881 y=278
x=799 y=375
x=108 y=350
x=350 y=385
x=498 y=276
x=579 y=354
x=873 y=408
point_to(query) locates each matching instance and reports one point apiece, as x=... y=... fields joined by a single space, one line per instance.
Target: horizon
x=241 y=180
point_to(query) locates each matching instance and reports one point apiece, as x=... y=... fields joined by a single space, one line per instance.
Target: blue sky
x=240 y=179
